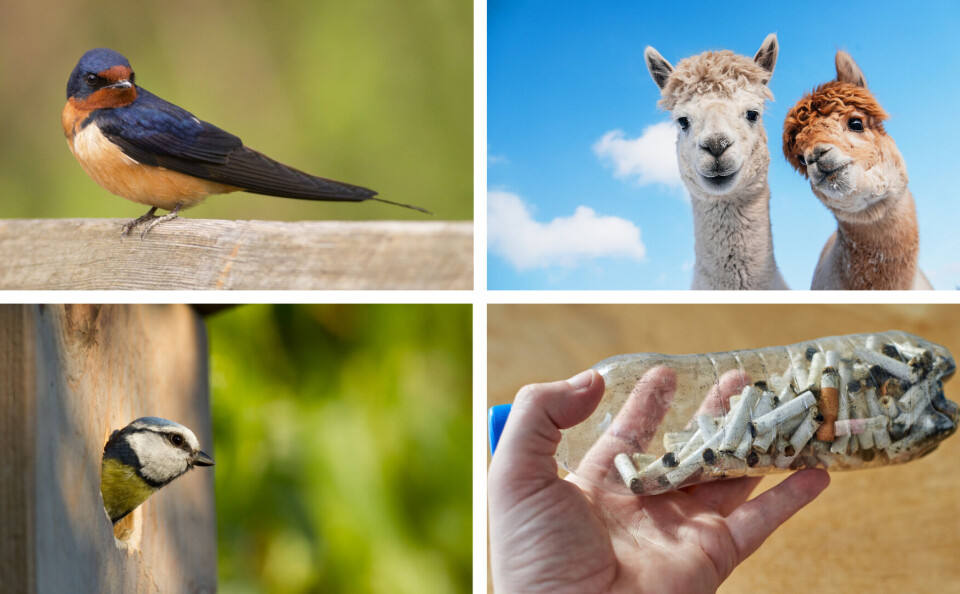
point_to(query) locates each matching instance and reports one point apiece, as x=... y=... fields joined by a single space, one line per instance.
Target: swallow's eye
x=176 y=440
x=752 y=115
x=684 y=123
x=855 y=124
x=802 y=160
x=131 y=79
x=92 y=80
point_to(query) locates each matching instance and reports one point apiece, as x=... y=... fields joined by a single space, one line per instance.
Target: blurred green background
x=370 y=92
x=343 y=448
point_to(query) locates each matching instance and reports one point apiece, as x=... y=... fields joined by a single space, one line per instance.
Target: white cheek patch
x=159 y=460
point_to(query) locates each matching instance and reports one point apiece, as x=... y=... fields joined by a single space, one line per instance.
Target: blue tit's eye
x=801 y=160
x=683 y=122
x=176 y=439
x=753 y=115
x=855 y=124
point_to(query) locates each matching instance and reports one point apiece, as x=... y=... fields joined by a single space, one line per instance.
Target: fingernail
x=581 y=380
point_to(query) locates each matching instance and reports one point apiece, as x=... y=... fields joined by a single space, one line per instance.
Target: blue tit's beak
x=201 y=459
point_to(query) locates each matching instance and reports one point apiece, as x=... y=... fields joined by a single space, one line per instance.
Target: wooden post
x=200 y=254
x=69 y=376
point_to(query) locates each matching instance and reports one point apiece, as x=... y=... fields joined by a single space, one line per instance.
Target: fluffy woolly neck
x=734 y=241
x=880 y=255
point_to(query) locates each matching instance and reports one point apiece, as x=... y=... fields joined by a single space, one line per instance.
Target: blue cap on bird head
x=94 y=61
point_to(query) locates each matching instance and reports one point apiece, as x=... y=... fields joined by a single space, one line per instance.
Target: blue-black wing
x=158 y=133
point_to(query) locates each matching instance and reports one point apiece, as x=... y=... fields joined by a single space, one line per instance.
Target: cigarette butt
x=707 y=425
x=881 y=438
x=726 y=465
x=832 y=359
x=692 y=444
x=759 y=460
x=628 y=473
x=783 y=412
x=858 y=426
x=891 y=387
x=696 y=460
x=743 y=448
x=828 y=403
x=676 y=440
x=658 y=468
x=845 y=371
x=736 y=422
x=889 y=406
x=817 y=364
x=805 y=431
x=641 y=460
x=918 y=393
x=895 y=368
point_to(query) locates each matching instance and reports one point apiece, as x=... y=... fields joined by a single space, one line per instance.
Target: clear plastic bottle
x=843 y=402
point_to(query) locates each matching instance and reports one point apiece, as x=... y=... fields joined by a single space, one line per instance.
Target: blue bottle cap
x=496 y=419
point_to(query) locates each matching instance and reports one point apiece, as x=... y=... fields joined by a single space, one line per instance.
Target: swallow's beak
x=121 y=84
x=201 y=459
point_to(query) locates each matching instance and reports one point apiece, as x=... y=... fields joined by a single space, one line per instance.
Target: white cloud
x=649 y=159
x=565 y=241
x=497 y=160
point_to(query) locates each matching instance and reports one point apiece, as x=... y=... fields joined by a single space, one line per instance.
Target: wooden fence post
x=69 y=376
x=78 y=254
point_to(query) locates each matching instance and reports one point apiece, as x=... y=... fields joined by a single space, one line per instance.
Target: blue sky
x=562 y=76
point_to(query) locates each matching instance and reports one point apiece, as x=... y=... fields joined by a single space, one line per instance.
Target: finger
x=532 y=431
x=754 y=521
x=633 y=427
x=717 y=401
x=725 y=495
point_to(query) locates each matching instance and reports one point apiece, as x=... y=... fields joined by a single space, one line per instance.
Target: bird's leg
x=157 y=220
x=128 y=227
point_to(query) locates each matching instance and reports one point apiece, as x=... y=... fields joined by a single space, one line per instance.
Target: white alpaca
x=717 y=100
x=835 y=137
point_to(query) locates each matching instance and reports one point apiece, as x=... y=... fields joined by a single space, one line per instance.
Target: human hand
x=567 y=535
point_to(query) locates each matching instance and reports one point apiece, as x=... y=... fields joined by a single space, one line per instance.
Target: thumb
x=532 y=432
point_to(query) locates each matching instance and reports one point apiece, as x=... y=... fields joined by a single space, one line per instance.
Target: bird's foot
x=151 y=221
x=157 y=220
x=128 y=227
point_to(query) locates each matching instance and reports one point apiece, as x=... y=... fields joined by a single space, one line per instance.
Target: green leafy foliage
x=342 y=438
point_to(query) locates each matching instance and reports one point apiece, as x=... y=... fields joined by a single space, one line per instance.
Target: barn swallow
x=148 y=150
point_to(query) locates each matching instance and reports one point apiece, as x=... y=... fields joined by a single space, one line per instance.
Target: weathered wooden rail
x=69 y=375
x=41 y=254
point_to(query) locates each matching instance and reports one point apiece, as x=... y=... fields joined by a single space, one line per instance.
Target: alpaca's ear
x=766 y=56
x=659 y=68
x=848 y=71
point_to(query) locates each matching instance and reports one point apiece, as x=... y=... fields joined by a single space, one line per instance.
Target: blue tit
x=143 y=457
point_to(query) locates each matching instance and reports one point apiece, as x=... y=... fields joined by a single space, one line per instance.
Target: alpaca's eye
x=753 y=115
x=684 y=123
x=855 y=124
x=802 y=160
x=176 y=440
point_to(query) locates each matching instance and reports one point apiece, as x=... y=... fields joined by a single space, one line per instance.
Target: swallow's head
x=101 y=79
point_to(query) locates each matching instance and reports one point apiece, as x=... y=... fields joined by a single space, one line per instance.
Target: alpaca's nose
x=715 y=144
x=814 y=154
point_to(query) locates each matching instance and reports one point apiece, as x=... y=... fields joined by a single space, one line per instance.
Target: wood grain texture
x=894 y=529
x=41 y=254
x=88 y=370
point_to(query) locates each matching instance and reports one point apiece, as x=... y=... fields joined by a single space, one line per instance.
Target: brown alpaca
x=834 y=136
